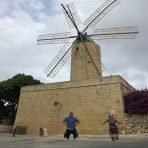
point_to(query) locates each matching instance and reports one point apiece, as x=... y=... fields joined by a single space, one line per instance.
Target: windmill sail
x=53 y=38
x=115 y=33
x=72 y=13
x=100 y=13
x=59 y=61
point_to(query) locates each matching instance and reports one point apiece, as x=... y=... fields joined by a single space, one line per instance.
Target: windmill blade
x=59 y=61
x=115 y=33
x=100 y=13
x=72 y=16
x=54 y=38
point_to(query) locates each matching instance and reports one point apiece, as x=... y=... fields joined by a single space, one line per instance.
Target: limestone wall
x=90 y=100
x=136 y=123
x=82 y=66
x=6 y=128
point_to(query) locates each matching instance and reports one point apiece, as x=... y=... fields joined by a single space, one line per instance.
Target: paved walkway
x=7 y=136
x=89 y=141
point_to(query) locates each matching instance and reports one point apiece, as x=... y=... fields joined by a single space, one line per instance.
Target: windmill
x=83 y=42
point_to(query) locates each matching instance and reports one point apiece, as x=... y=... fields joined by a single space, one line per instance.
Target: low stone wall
x=6 y=128
x=136 y=124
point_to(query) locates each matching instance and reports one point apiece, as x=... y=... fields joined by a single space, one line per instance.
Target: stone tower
x=82 y=66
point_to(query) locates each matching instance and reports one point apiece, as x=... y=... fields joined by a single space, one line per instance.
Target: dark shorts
x=113 y=131
x=69 y=132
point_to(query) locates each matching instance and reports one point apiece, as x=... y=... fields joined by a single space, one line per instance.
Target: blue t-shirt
x=71 y=122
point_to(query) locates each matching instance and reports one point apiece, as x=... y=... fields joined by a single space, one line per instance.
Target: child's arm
x=118 y=122
x=104 y=122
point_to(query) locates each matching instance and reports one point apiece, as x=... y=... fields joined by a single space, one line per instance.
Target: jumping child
x=113 y=129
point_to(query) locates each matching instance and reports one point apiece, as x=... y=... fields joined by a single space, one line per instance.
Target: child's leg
x=117 y=136
x=112 y=137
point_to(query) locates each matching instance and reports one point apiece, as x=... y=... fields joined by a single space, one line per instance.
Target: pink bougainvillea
x=136 y=102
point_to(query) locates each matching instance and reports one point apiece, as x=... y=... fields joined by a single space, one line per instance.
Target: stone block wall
x=45 y=106
x=82 y=66
x=136 y=124
x=6 y=128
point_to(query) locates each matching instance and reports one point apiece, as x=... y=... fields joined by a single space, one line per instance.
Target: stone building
x=89 y=95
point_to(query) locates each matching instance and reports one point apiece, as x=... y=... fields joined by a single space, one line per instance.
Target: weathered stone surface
x=82 y=66
x=136 y=124
x=45 y=106
x=6 y=128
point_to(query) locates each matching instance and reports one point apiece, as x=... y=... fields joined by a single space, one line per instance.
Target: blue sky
x=32 y=7
x=21 y=21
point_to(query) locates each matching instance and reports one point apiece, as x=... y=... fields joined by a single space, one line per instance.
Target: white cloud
x=21 y=21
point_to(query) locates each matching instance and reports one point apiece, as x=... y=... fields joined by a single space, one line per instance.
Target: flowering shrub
x=136 y=102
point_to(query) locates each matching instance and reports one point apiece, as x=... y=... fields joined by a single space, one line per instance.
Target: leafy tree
x=10 y=92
